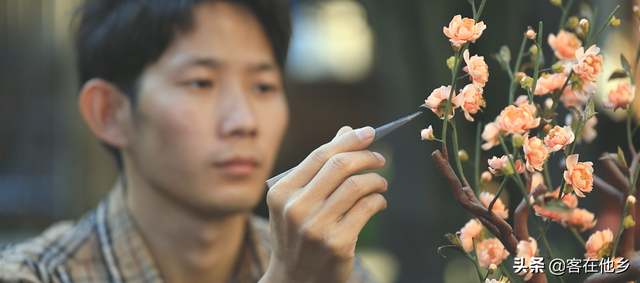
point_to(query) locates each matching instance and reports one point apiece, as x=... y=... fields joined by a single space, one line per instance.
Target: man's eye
x=200 y=84
x=264 y=88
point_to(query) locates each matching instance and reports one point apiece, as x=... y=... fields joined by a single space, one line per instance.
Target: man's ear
x=106 y=110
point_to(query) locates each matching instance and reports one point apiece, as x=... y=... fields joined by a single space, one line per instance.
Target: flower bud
x=558 y=67
x=462 y=154
x=517 y=140
x=584 y=24
x=614 y=22
x=572 y=22
x=636 y=10
x=491 y=269
x=526 y=82
x=507 y=169
x=534 y=50
x=580 y=33
x=485 y=177
x=530 y=33
x=631 y=200
x=451 y=62
x=520 y=75
x=556 y=2
x=628 y=222
x=427 y=134
x=548 y=103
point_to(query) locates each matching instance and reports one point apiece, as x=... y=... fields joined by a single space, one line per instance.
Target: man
x=188 y=96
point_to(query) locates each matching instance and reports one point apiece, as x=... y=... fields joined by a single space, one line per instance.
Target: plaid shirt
x=105 y=246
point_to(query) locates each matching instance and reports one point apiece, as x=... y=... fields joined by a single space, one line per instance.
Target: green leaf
x=589 y=109
x=454 y=239
x=622 y=162
x=450 y=247
x=619 y=74
x=625 y=64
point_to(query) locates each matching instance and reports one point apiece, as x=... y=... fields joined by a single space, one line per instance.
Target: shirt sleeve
x=16 y=272
x=360 y=274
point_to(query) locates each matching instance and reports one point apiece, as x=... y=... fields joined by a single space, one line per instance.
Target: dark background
x=52 y=168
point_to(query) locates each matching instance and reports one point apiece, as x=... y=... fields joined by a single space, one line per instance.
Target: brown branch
x=521 y=215
x=619 y=179
x=632 y=274
x=607 y=188
x=465 y=196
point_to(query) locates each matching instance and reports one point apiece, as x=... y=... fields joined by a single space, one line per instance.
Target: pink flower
x=589 y=133
x=477 y=69
x=496 y=164
x=536 y=179
x=521 y=100
x=564 y=45
x=518 y=120
x=589 y=63
x=548 y=83
x=549 y=213
x=486 y=177
x=470 y=231
x=581 y=219
x=437 y=101
x=498 y=207
x=620 y=97
x=534 y=153
x=462 y=30
x=579 y=175
x=491 y=251
x=598 y=242
x=572 y=98
x=570 y=200
x=527 y=250
x=584 y=85
x=471 y=101
x=490 y=135
x=558 y=138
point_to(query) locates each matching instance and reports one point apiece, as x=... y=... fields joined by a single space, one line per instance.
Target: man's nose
x=238 y=120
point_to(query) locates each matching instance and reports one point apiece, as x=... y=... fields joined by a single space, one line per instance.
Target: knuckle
x=292 y=214
x=353 y=185
x=312 y=234
x=321 y=154
x=274 y=198
x=341 y=163
x=340 y=249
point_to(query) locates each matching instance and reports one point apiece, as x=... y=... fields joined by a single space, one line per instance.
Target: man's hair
x=117 y=39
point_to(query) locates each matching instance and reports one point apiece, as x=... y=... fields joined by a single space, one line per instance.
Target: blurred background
x=352 y=62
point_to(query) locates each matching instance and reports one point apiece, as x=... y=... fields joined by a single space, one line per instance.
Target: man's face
x=210 y=114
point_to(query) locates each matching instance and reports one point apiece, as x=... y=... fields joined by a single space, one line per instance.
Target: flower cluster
x=529 y=133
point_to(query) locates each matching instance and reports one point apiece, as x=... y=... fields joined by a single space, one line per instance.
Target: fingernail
x=380 y=157
x=365 y=133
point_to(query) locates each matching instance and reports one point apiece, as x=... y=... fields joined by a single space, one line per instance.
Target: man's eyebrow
x=262 y=67
x=215 y=64
x=205 y=62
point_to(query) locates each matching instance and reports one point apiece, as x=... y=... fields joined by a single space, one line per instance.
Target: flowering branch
x=465 y=196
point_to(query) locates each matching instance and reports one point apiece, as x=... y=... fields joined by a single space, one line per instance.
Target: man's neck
x=186 y=248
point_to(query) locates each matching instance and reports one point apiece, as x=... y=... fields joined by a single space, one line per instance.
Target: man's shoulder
x=39 y=258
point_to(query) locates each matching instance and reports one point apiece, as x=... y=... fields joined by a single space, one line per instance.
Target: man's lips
x=238 y=166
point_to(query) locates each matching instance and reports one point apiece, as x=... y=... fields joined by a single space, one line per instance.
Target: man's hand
x=317 y=211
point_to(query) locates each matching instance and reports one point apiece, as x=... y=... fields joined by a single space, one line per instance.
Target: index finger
x=348 y=141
